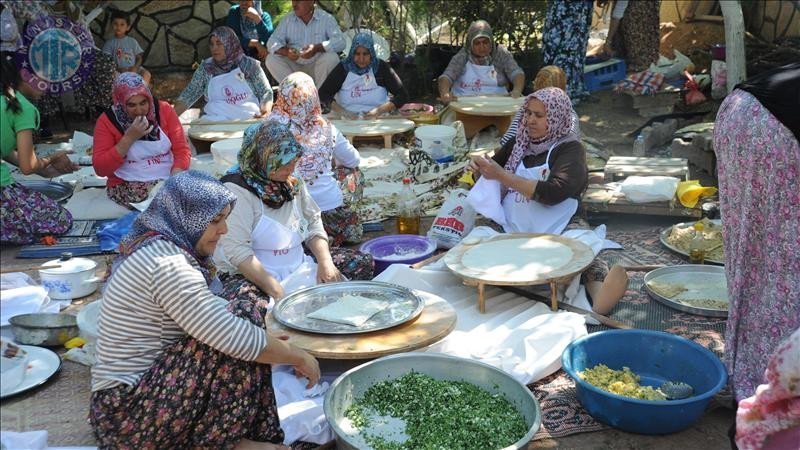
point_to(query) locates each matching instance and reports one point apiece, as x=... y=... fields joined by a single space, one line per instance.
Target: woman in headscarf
x=138 y=142
x=177 y=366
x=480 y=68
x=274 y=219
x=234 y=85
x=361 y=84
x=548 y=76
x=252 y=25
x=566 y=33
x=634 y=33
x=25 y=215
x=325 y=150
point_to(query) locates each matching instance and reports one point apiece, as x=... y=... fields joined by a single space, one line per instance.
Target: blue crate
x=603 y=75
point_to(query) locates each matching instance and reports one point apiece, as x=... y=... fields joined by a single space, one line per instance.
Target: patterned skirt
x=565 y=38
x=639 y=35
x=192 y=397
x=26 y=215
x=130 y=192
x=342 y=225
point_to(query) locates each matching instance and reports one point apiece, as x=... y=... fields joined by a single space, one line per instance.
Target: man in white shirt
x=307 y=41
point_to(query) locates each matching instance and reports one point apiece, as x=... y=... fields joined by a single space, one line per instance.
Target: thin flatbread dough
x=514 y=260
x=350 y=310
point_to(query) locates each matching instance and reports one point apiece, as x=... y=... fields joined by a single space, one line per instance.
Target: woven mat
x=562 y=413
x=80 y=240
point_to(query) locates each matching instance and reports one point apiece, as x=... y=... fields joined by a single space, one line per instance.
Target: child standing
x=126 y=51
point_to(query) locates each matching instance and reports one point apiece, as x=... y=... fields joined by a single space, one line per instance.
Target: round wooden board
x=435 y=322
x=582 y=257
x=218 y=132
x=484 y=105
x=375 y=127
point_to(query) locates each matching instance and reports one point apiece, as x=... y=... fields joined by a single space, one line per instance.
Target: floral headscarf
x=266 y=147
x=479 y=28
x=247 y=27
x=298 y=106
x=559 y=126
x=233 y=52
x=362 y=39
x=126 y=85
x=180 y=213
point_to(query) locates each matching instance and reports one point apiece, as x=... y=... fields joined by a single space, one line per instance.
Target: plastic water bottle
x=408 y=210
x=638 y=146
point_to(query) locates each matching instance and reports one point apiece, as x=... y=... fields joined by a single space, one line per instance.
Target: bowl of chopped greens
x=430 y=400
x=643 y=381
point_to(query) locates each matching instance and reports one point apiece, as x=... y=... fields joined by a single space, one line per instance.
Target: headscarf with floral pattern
x=126 y=85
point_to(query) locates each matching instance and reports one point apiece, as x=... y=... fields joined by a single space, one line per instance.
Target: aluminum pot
x=48 y=329
x=75 y=278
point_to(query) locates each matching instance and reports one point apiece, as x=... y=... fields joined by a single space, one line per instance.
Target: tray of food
x=678 y=237
x=348 y=307
x=693 y=288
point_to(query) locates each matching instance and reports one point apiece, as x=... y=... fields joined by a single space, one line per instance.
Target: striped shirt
x=156 y=297
x=321 y=29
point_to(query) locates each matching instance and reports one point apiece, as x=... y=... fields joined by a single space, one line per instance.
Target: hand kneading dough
x=350 y=310
x=517 y=259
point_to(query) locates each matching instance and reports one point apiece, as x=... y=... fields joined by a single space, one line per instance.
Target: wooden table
x=476 y=113
x=213 y=132
x=619 y=167
x=385 y=128
x=600 y=199
x=435 y=322
x=582 y=257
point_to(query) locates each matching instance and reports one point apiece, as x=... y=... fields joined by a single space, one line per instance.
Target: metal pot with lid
x=75 y=277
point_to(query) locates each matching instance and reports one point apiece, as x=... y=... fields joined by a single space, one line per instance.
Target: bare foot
x=247 y=444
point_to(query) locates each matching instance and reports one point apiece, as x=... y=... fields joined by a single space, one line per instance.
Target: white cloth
x=478 y=80
x=22 y=295
x=31 y=440
x=300 y=409
x=94 y=204
x=147 y=160
x=361 y=93
x=230 y=97
x=485 y=198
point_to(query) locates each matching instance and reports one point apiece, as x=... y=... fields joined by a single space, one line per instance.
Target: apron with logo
x=280 y=250
x=361 y=93
x=147 y=160
x=478 y=80
x=230 y=98
x=524 y=215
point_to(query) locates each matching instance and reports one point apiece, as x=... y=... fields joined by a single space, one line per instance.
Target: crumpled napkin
x=485 y=198
x=29 y=440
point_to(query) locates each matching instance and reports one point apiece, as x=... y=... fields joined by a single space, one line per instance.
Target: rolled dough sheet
x=515 y=260
x=351 y=310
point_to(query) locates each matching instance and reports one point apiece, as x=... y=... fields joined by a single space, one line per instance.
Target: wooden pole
x=734 y=43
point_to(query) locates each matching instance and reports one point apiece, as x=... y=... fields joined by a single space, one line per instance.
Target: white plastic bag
x=454 y=220
x=649 y=189
x=719 y=79
x=671 y=68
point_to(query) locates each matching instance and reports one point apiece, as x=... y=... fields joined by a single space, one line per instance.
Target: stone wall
x=173 y=33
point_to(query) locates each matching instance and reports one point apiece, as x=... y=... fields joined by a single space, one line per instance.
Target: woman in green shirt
x=25 y=214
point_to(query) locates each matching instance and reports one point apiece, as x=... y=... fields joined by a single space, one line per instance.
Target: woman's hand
x=307 y=366
x=327 y=272
x=274 y=288
x=516 y=94
x=260 y=49
x=252 y=15
x=138 y=128
x=487 y=167
x=447 y=97
x=60 y=162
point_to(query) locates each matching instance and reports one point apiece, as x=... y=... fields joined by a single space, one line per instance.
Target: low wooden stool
x=600 y=199
x=375 y=128
x=620 y=167
x=477 y=113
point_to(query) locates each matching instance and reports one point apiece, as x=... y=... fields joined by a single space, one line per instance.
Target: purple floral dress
x=758 y=161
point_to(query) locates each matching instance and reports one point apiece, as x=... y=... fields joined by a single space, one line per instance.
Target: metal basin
x=45 y=329
x=353 y=383
x=59 y=192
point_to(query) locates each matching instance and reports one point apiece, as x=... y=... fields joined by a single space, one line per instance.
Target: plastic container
x=413 y=109
x=436 y=140
x=226 y=151
x=656 y=357
x=398 y=249
x=88 y=319
x=603 y=75
x=638 y=146
x=718 y=52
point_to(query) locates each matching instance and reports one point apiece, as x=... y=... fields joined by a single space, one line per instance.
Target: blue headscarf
x=362 y=39
x=180 y=213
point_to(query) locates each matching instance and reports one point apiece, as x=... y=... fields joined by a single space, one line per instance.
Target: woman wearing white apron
x=274 y=216
x=234 y=85
x=361 y=84
x=533 y=183
x=480 y=68
x=138 y=142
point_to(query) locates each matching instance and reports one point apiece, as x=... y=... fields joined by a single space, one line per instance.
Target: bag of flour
x=454 y=220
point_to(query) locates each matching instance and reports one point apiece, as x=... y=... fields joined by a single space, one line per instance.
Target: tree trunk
x=734 y=43
x=394 y=6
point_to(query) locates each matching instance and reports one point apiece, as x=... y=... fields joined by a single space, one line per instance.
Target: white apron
x=524 y=215
x=361 y=93
x=478 y=80
x=230 y=97
x=280 y=250
x=147 y=160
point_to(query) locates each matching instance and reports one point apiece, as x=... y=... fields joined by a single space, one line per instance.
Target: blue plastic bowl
x=656 y=357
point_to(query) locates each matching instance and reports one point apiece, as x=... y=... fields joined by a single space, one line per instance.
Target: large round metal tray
x=697 y=275
x=54 y=190
x=666 y=231
x=293 y=310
